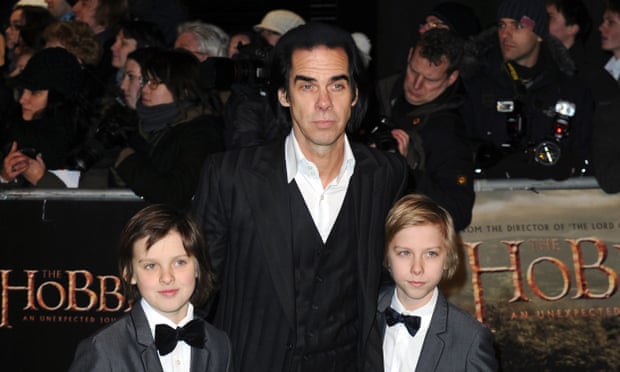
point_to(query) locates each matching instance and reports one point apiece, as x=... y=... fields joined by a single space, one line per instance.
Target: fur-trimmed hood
x=479 y=49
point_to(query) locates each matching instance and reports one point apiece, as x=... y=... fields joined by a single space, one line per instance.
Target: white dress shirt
x=401 y=351
x=613 y=67
x=179 y=359
x=323 y=203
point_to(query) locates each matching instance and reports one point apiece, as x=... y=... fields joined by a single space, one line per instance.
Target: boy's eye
x=181 y=262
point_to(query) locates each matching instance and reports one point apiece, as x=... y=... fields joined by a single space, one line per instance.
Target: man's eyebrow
x=333 y=78
x=511 y=21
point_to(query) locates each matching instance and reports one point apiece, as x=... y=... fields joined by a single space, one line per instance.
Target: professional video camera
x=249 y=66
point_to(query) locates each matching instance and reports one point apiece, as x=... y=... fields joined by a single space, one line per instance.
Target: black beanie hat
x=459 y=18
x=532 y=9
x=52 y=69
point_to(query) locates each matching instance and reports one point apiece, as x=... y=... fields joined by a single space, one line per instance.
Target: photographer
x=528 y=112
x=248 y=113
x=177 y=130
x=420 y=108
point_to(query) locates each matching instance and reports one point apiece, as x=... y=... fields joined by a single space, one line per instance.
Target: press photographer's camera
x=380 y=135
x=515 y=120
x=564 y=112
x=549 y=152
x=250 y=66
x=546 y=152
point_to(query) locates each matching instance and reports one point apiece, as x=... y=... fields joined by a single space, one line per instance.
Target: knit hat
x=279 y=21
x=459 y=18
x=528 y=12
x=52 y=69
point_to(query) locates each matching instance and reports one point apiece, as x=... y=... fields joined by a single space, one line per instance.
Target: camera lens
x=547 y=153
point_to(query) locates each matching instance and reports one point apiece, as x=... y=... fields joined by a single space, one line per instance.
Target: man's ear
x=410 y=54
x=283 y=98
x=573 y=29
x=453 y=76
x=355 y=97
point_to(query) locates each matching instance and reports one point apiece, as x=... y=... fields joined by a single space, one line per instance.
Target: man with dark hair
x=422 y=108
x=294 y=226
x=570 y=22
x=527 y=112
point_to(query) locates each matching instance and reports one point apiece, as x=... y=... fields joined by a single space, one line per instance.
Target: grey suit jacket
x=455 y=341
x=128 y=345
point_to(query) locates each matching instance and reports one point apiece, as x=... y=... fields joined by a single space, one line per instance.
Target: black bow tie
x=166 y=337
x=412 y=322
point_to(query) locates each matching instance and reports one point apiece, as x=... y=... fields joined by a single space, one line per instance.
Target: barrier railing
x=540 y=262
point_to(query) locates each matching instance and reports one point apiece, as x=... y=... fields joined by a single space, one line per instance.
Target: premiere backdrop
x=540 y=268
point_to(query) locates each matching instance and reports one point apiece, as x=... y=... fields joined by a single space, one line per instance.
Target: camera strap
x=517 y=84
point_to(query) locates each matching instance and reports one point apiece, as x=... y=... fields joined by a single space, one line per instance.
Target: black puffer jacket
x=489 y=85
x=440 y=157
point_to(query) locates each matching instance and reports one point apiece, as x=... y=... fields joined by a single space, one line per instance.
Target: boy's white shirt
x=179 y=359
x=401 y=351
x=613 y=67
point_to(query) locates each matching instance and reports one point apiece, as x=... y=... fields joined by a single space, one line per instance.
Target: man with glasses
x=420 y=107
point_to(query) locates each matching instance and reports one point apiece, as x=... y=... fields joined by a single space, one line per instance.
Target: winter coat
x=525 y=145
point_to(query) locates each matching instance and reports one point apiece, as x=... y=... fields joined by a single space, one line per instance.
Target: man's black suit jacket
x=243 y=207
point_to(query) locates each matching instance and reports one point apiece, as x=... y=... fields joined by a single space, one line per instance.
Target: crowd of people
x=521 y=99
x=291 y=159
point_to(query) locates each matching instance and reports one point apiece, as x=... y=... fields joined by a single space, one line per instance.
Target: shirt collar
x=294 y=157
x=613 y=67
x=154 y=318
x=424 y=311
